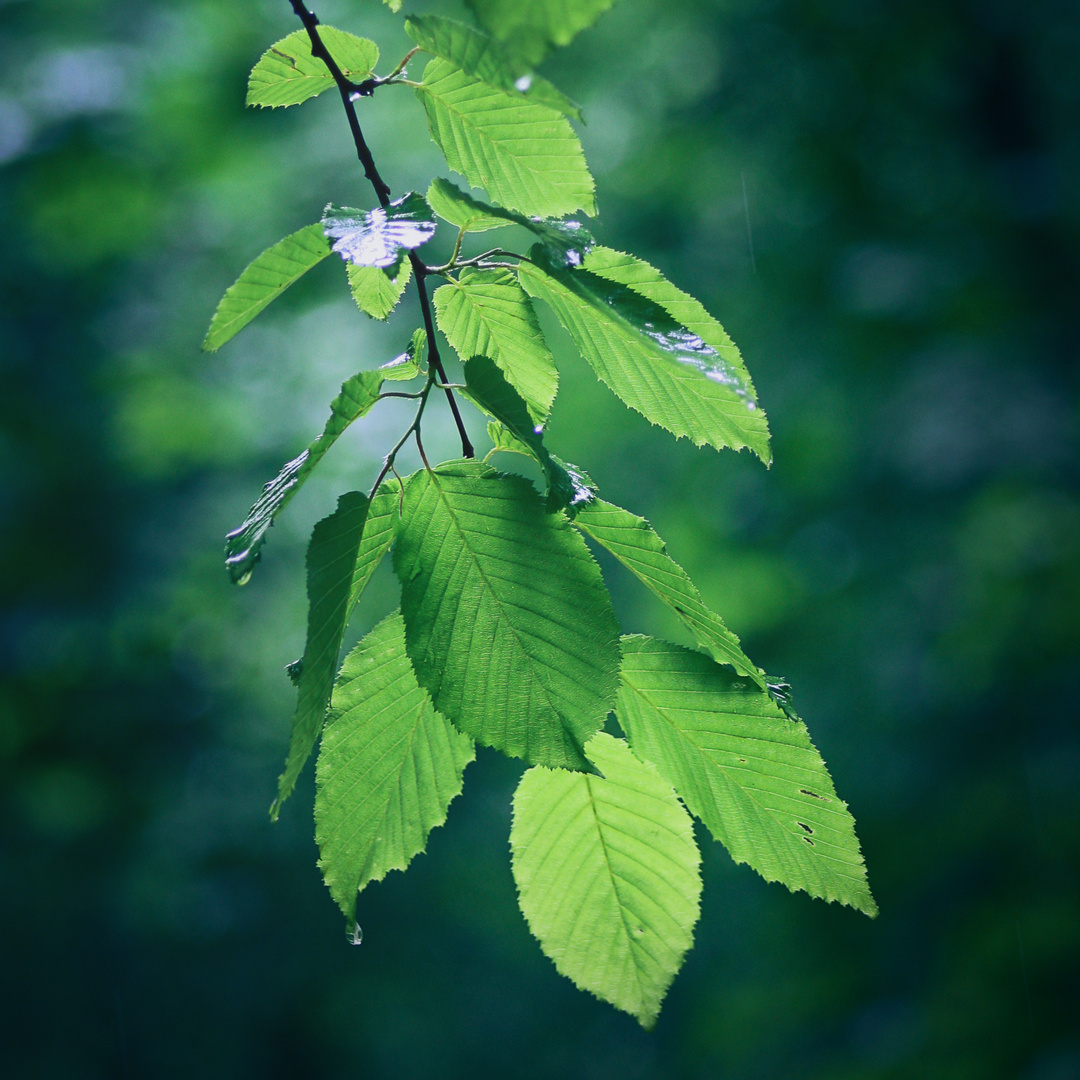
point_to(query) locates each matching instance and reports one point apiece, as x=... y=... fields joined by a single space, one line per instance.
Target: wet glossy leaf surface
x=652 y=362
x=379 y=237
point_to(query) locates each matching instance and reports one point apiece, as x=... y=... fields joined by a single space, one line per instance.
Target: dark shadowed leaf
x=529 y=28
x=566 y=242
x=344 y=551
x=489 y=391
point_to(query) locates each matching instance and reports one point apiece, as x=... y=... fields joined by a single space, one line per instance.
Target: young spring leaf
x=377 y=291
x=607 y=875
x=751 y=774
x=633 y=542
x=488 y=389
x=389 y=766
x=507 y=621
x=486 y=312
x=652 y=362
x=479 y=55
x=344 y=551
x=264 y=280
x=243 y=546
x=529 y=30
x=288 y=74
x=526 y=156
x=380 y=237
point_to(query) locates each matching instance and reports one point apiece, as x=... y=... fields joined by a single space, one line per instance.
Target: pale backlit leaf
x=483 y=57
x=264 y=280
x=635 y=544
x=377 y=291
x=607 y=872
x=526 y=156
x=288 y=74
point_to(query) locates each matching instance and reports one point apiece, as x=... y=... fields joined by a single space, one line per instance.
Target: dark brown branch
x=382 y=192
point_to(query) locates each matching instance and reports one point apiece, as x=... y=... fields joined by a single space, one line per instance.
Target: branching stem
x=347 y=90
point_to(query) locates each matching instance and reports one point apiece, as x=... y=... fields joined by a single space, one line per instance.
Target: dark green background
x=911 y=562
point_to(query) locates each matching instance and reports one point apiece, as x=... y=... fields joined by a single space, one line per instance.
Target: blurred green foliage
x=879 y=202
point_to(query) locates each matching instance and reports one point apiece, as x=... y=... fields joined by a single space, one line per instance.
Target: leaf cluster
x=505 y=635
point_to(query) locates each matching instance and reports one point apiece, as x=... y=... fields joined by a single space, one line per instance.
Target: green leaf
x=652 y=362
x=648 y=282
x=287 y=73
x=485 y=59
x=526 y=156
x=243 y=546
x=377 y=291
x=751 y=774
x=566 y=242
x=410 y=363
x=529 y=28
x=607 y=875
x=380 y=237
x=633 y=542
x=389 y=766
x=345 y=550
x=468 y=214
x=507 y=621
x=581 y=486
x=486 y=312
x=265 y=280
x=489 y=391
